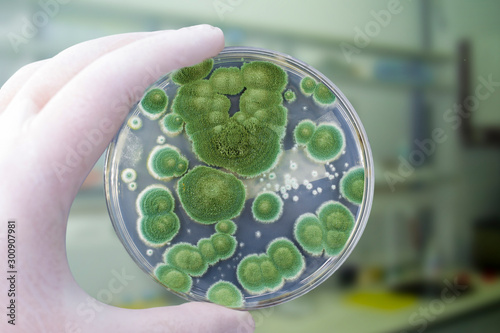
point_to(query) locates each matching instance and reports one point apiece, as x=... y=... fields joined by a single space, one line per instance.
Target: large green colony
x=209 y=195
x=157 y=223
x=166 y=162
x=268 y=272
x=184 y=261
x=249 y=142
x=352 y=185
x=154 y=103
x=267 y=207
x=328 y=230
x=225 y=293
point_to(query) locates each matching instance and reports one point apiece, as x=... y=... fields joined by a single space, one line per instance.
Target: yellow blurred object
x=381 y=300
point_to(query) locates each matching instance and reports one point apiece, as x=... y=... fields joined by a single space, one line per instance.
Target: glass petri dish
x=247 y=186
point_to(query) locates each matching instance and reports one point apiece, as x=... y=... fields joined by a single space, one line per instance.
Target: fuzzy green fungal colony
x=166 y=162
x=128 y=175
x=307 y=85
x=193 y=73
x=226 y=227
x=134 y=123
x=154 y=103
x=225 y=293
x=248 y=143
x=174 y=278
x=172 y=124
x=304 y=131
x=352 y=185
x=328 y=230
x=323 y=95
x=157 y=223
x=326 y=143
x=290 y=96
x=184 y=261
x=209 y=195
x=268 y=272
x=267 y=207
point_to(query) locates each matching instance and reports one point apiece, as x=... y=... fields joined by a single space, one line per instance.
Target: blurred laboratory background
x=424 y=78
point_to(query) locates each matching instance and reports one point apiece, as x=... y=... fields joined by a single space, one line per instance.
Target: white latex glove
x=75 y=102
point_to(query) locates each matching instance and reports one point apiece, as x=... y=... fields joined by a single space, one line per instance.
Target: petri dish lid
x=246 y=180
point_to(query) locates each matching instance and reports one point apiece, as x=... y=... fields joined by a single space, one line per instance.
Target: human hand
x=76 y=102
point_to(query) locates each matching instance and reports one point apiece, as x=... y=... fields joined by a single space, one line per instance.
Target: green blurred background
x=424 y=77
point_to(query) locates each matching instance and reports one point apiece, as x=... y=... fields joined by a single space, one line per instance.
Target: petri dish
x=246 y=180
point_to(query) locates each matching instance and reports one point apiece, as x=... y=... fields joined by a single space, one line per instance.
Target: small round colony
x=226 y=294
x=267 y=207
x=287 y=258
x=157 y=223
x=154 y=103
x=165 y=162
x=128 y=175
x=156 y=230
x=307 y=85
x=172 y=124
x=209 y=195
x=226 y=227
x=186 y=258
x=227 y=80
x=290 y=96
x=338 y=223
x=193 y=73
x=134 y=123
x=250 y=276
x=173 y=278
x=224 y=245
x=304 y=131
x=322 y=95
x=352 y=185
x=309 y=233
x=326 y=143
x=207 y=250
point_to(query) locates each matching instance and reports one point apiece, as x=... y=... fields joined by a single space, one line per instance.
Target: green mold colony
x=322 y=95
x=172 y=124
x=328 y=230
x=166 y=162
x=157 y=223
x=307 y=85
x=267 y=207
x=326 y=143
x=154 y=103
x=352 y=185
x=304 y=131
x=209 y=195
x=128 y=175
x=289 y=96
x=193 y=73
x=134 y=123
x=226 y=294
x=249 y=142
x=268 y=272
x=184 y=261
x=226 y=227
